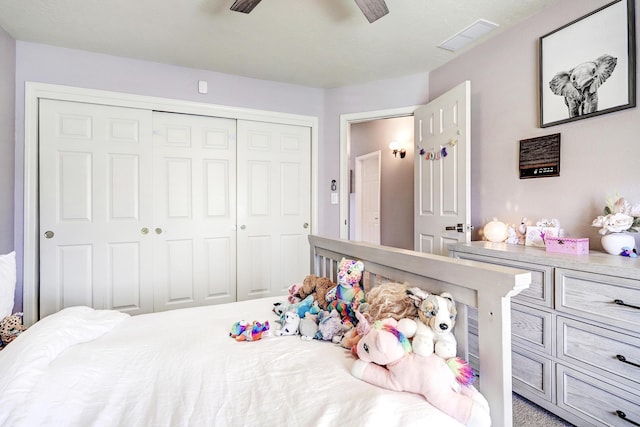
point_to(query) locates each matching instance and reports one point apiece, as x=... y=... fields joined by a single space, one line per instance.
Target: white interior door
x=368 y=169
x=274 y=207
x=442 y=183
x=94 y=167
x=194 y=210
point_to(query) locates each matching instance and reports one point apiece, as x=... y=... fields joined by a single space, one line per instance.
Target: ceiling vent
x=468 y=35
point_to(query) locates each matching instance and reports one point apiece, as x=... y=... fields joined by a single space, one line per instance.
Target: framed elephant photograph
x=588 y=67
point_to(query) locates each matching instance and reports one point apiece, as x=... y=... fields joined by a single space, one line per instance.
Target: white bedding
x=81 y=367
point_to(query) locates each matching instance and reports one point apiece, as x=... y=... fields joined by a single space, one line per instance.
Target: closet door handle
x=623 y=416
x=620 y=302
x=624 y=360
x=158 y=230
x=242 y=227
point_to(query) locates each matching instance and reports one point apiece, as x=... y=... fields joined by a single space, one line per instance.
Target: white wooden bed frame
x=487 y=287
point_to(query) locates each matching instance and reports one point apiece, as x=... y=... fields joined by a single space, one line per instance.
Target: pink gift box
x=565 y=245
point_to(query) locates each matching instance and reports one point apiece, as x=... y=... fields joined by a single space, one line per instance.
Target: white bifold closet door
x=145 y=211
x=194 y=210
x=95 y=193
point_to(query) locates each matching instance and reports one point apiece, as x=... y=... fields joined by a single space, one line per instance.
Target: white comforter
x=82 y=367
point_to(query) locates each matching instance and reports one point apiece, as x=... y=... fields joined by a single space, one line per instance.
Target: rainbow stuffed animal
x=346 y=297
x=429 y=376
x=245 y=331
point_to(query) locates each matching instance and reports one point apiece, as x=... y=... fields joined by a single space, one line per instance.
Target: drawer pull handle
x=624 y=359
x=623 y=416
x=620 y=302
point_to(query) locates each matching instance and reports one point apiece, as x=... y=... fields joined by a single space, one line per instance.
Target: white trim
x=36 y=91
x=345 y=145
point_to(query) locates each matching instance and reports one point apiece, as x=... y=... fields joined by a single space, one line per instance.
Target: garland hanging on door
x=437 y=154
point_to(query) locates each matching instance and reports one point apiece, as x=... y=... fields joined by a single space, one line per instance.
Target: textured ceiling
x=318 y=43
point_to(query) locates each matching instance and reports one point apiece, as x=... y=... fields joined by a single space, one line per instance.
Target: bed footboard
x=487 y=287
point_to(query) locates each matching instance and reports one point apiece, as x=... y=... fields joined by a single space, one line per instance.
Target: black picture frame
x=588 y=67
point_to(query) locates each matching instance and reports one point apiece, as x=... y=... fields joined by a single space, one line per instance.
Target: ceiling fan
x=372 y=9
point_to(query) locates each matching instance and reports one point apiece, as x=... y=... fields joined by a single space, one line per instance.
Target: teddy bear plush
x=348 y=294
x=435 y=322
x=10 y=327
x=385 y=359
x=318 y=287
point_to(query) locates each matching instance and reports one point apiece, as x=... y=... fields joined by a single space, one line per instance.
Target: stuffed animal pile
x=401 y=336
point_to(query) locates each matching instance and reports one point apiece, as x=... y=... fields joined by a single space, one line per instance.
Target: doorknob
x=460 y=228
x=158 y=230
x=242 y=227
x=305 y=225
x=144 y=230
x=48 y=234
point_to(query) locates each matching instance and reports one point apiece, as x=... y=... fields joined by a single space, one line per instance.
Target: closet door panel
x=194 y=210
x=274 y=202
x=94 y=162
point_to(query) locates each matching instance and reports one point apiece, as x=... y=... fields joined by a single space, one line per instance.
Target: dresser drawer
x=594 y=296
x=532 y=374
x=599 y=348
x=595 y=401
x=531 y=328
x=540 y=290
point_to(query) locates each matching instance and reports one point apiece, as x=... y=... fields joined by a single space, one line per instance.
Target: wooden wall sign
x=540 y=157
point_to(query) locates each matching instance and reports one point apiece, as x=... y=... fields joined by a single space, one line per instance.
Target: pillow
x=7 y=283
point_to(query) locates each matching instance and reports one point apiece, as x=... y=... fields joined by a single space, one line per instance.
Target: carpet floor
x=528 y=414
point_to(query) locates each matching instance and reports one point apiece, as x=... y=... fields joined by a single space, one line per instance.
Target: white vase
x=614 y=242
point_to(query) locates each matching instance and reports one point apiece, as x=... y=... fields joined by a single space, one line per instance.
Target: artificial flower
x=619 y=216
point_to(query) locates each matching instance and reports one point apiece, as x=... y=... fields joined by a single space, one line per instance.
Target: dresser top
x=595 y=262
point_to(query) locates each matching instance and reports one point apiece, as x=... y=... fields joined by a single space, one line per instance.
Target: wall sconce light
x=398 y=148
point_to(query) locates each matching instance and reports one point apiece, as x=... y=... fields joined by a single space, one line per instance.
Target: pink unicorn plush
x=429 y=376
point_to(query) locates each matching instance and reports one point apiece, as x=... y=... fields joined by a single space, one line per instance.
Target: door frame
x=36 y=91
x=345 y=151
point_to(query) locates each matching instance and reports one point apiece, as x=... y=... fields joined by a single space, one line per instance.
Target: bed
x=82 y=367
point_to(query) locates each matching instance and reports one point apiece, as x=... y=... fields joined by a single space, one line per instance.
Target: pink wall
x=599 y=156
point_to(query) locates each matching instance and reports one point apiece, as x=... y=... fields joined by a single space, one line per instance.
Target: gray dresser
x=575 y=331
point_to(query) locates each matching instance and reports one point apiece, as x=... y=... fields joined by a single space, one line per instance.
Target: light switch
x=202 y=86
x=334 y=198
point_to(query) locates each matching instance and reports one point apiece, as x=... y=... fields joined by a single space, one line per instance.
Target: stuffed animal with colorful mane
x=245 y=331
x=346 y=297
x=385 y=359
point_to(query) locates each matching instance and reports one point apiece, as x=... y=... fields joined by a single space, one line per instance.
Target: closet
x=143 y=211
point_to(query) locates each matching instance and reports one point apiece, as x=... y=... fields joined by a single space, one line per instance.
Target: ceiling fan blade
x=373 y=9
x=244 y=6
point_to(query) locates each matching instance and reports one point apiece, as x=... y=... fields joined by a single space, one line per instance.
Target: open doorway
x=396 y=177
